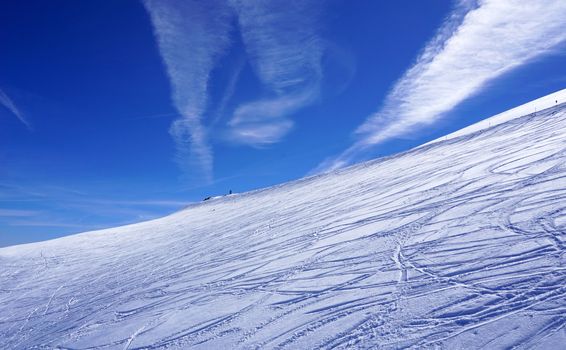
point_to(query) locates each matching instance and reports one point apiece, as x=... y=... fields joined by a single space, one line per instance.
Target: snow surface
x=458 y=244
x=539 y=104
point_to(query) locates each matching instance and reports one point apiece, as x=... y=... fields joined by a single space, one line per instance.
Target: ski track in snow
x=455 y=244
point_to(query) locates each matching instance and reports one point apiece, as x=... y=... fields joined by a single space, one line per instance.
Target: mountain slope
x=456 y=244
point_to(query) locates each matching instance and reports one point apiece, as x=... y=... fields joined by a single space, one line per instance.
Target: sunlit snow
x=456 y=244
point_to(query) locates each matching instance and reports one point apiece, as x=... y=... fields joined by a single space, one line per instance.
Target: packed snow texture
x=539 y=104
x=458 y=244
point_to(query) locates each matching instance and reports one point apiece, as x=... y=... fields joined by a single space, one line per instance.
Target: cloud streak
x=285 y=50
x=479 y=42
x=191 y=36
x=9 y=105
x=282 y=45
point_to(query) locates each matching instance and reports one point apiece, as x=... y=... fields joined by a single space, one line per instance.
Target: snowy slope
x=456 y=244
x=539 y=104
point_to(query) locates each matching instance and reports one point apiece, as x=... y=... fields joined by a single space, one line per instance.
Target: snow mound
x=458 y=244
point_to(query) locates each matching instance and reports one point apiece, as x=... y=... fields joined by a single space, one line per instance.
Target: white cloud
x=282 y=45
x=264 y=121
x=285 y=50
x=191 y=35
x=261 y=133
x=9 y=104
x=479 y=42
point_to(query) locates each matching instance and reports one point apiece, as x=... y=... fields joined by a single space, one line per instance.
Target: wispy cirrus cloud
x=480 y=41
x=9 y=105
x=285 y=49
x=65 y=207
x=282 y=44
x=191 y=36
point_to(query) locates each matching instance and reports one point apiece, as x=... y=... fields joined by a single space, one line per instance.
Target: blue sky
x=113 y=112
